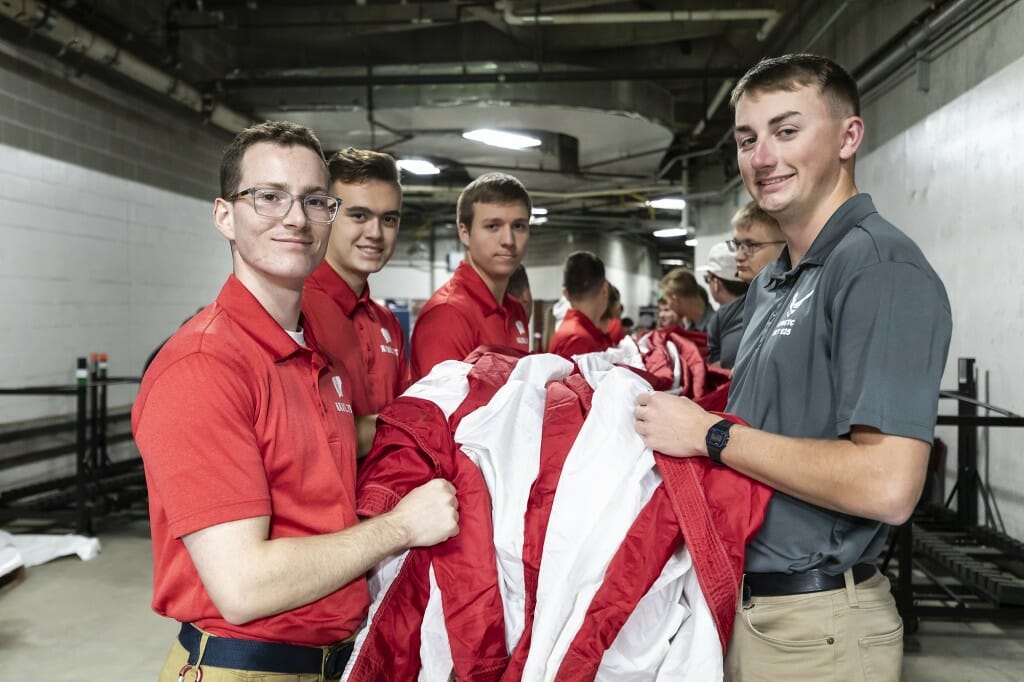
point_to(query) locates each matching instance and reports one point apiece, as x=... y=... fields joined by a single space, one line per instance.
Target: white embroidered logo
x=386 y=347
x=798 y=302
x=786 y=324
x=338 y=405
x=519 y=327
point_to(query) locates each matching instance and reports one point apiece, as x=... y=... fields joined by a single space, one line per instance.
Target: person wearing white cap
x=726 y=327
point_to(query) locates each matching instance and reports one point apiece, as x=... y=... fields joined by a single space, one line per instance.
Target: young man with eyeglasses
x=838 y=377
x=726 y=327
x=473 y=308
x=356 y=331
x=249 y=444
x=757 y=240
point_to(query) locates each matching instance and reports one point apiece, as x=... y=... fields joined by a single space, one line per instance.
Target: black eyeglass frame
x=749 y=246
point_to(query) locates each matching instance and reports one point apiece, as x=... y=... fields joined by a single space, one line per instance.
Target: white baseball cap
x=721 y=263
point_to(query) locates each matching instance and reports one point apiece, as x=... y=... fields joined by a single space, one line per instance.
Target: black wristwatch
x=717 y=439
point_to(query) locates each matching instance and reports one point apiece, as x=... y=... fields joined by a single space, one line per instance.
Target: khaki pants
x=177 y=657
x=849 y=635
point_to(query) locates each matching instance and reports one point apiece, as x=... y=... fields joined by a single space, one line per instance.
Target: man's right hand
x=429 y=514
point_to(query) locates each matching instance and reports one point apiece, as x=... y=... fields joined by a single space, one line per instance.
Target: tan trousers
x=853 y=634
x=177 y=658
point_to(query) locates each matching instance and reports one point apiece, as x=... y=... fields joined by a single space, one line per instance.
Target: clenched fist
x=429 y=514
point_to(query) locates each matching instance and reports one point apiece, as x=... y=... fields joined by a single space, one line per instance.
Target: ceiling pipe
x=72 y=37
x=909 y=47
x=723 y=91
x=770 y=17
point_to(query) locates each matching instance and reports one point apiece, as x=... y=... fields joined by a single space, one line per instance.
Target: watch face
x=717 y=437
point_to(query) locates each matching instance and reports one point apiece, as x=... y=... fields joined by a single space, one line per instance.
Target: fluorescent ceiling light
x=690 y=242
x=418 y=166
x=538 y=211
x=672 y=261
x=538 y=220
x=670 y=232
x=500 y=138
x=668 y=203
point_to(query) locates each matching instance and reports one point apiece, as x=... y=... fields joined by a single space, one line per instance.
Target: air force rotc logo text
x=521 y=331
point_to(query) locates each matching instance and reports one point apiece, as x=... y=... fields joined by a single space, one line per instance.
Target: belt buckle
x=336 y=660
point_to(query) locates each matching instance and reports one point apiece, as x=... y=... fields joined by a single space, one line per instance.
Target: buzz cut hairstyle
x=680 y=282
x=793 y=71
x=355 y=166
x=751 y=213
x=281 y=133
x=490 y=188
x=583 y=275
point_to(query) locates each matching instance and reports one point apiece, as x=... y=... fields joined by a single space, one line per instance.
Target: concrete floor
x=74 y=621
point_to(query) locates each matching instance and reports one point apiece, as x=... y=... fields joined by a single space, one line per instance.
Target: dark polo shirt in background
x=724 y=333
x=856 y=334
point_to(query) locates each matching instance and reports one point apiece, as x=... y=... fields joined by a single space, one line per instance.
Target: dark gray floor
x=75 y=621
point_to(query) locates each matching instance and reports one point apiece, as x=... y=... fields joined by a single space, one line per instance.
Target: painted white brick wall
x=91 y=262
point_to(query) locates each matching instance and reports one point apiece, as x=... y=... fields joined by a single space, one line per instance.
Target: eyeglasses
x=275 y=203
x=747 y=246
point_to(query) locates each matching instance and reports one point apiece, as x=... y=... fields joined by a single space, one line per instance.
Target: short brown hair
x=752 y=213
x=490 y=188
x=283 y=133
x=791 y=71
x=680 y=282
x=583 y=275
x=355 y=166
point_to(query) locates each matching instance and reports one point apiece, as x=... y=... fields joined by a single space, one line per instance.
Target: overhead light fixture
x=536 y=210
x=672 y=261
x=501 y=138
x=670 y=232
x=538 y=220
x=418 y=166
x=668 y=203
x=690 y=242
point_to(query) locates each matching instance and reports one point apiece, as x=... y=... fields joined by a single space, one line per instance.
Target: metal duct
x=73 y=37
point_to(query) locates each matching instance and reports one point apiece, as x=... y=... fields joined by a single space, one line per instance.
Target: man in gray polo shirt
x=838 y=375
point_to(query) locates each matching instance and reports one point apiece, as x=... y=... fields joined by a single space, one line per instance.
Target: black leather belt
x=815 y=580
x=270 y=657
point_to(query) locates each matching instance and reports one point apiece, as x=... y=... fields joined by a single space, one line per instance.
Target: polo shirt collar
x=584 y=321
x=249 y=314
x=851 y=213
x=338 y=289
x=467 y=279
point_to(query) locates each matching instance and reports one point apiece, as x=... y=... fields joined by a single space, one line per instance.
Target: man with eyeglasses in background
x=356 y=331
x=757 y=240
x=248 y=439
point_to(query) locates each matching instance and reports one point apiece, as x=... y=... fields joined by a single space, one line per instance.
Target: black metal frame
x=98 y=485
x=974 y=572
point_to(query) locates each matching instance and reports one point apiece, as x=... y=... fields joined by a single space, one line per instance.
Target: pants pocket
x=882 y=656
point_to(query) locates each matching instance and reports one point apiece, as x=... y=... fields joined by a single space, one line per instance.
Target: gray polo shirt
x=856 y=333
x=724 y=332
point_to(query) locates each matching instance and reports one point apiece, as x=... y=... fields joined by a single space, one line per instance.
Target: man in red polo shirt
x=473 y=308
x=584 y=284
x=356 y=331
x=249 y=444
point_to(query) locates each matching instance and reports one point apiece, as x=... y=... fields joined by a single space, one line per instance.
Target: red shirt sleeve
x=441 y=333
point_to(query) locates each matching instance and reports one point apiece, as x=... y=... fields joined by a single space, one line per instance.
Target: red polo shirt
x=361 y=334
x=234 y=420
x=462 y=315
x=577 y=334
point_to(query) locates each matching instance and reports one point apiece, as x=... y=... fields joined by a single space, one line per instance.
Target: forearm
x=876 y=478
x=366 y=429
x=250 y=578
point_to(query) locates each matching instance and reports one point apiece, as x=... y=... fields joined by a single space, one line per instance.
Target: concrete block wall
x=93 y=263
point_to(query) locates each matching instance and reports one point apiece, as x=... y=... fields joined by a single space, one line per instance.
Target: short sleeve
x=890 y=336
x=198 y=442
x=440 y=334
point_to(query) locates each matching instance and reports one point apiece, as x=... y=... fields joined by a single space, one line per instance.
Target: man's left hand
x=672 y=425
